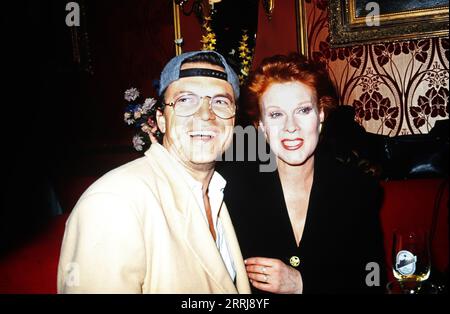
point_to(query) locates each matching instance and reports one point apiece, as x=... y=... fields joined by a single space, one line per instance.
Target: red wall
x=279 y=35
x=191 y=32
x=130 y=42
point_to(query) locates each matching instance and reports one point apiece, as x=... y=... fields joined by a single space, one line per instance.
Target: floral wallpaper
x=396 y=88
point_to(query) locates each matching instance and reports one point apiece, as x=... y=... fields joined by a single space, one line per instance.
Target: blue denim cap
x=171 y=72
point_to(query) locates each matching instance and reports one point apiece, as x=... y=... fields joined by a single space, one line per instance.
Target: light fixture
x=212 y=2
x=197 y=7
x=268 y=6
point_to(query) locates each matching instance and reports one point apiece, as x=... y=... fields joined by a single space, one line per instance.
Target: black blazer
x=342 y=231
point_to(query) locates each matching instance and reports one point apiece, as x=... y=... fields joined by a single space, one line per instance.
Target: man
x=158 y=224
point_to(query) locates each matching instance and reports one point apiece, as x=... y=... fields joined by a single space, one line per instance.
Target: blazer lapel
x=242 y=281
x=200 y=241
x=174 y=188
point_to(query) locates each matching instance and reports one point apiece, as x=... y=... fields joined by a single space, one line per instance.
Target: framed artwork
x=354 y=22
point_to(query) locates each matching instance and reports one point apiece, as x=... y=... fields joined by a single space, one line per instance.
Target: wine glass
x=411 y=255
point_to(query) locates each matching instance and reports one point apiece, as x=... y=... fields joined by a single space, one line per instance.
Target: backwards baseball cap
x=172 y=71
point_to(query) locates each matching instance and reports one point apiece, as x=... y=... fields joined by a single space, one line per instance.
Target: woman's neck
x=298 y=176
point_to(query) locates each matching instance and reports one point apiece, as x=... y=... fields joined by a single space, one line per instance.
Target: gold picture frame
x=302 y=28
x=350 y=24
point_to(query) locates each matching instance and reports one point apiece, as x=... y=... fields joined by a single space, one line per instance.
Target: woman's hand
x=272 y=275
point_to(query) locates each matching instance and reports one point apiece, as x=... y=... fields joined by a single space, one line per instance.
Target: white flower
x=148 y=104
x=138 y=143
x=131 y=94
x=127 y=118
x=137 y=114
x=146 y=128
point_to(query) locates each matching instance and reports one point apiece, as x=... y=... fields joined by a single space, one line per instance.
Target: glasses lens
x=186 y=105
x=223 y=107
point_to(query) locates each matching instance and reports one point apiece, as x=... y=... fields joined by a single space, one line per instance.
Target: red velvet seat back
x=32 y=268
x=409 y=204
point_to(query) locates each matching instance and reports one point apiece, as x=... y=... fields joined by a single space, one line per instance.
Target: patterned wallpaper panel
x=396 y=88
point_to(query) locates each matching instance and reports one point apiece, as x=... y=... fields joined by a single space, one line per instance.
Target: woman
x=312 y=225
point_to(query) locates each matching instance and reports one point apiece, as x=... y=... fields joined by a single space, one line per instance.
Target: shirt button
x=295 y=261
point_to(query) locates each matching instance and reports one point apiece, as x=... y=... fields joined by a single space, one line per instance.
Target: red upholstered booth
x=407 y=203
x=411 y=205
x=31 y=268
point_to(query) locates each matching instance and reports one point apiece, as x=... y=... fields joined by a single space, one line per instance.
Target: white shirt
x=215 y=194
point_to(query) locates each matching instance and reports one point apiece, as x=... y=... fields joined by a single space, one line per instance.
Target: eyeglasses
x=186 y=105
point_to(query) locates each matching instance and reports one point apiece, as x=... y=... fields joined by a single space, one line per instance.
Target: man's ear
x=161 y=121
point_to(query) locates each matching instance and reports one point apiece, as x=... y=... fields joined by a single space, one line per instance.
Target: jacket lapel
x=200 y=241
x=242 y=282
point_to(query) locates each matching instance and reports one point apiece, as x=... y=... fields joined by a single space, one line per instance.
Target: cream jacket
x=138 y=229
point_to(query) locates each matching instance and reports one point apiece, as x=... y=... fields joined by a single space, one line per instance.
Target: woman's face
x=291 y=121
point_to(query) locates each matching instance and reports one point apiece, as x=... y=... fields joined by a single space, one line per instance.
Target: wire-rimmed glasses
x=187 y=104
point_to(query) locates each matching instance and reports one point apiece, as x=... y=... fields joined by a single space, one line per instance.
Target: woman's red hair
x=288 y=68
